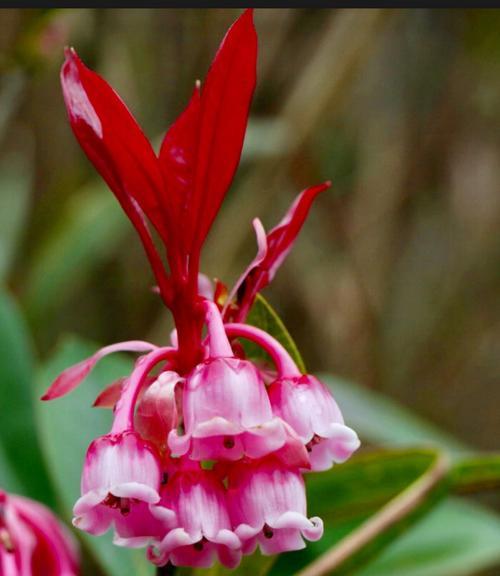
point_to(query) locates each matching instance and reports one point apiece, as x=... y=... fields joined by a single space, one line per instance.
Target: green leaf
x=67 y=426
x=453 y=538
x=88 y=233
x=457 y=538
x=364 y=490
x=24 y=471
x=263 y=316
x=379 y=419
x=15 y=184
x=476 y=473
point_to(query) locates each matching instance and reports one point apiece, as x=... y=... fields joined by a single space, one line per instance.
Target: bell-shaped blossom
x=310 y=409
x=226 y=409
x=267 y=504
x=305 y=403
x=33 y=541
x=122 y=471
x=202 y=532
x=121 y=478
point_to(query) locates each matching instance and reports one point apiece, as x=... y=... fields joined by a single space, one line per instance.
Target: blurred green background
x=394 y=281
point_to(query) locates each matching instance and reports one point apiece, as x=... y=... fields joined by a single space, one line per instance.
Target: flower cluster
x=32 y=541
x=206 y=454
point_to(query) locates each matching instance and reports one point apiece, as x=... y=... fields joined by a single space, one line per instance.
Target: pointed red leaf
x=178 y=161
x=116 y=146
x=225 y=102
x=111 y=138
x=108 y=397
x=272 y=251
x=281 y=238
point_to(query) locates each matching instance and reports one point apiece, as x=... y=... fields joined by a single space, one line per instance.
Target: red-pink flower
x=305 y=403
x=226 y=409
x=33 y=541
x=203 y=530
x=267 y=503
x=308 y=406
x=121 y=478
x=123 y=471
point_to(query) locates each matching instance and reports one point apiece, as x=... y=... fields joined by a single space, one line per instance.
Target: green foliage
x=264 y=316
x=15 y=182
x=22 y=468
x=90 y=230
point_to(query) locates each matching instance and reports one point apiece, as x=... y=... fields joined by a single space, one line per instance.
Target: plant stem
x=361 y=544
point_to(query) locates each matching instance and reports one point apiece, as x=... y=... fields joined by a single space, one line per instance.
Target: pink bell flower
x=308 y=406
x=267 y=504
x=202 y=531
x=122 y=472
x=121 y=478
x=305 y=403
x=33 y=541
x=226 y=409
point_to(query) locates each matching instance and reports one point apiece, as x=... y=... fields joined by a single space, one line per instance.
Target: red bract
x=180 y=192
x=200 y=399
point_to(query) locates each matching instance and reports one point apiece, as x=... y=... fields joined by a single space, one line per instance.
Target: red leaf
x=178 y=159
x=271 y=252
x=225 y=103
x=110 y=395
x=281 y=238
x=112 y=139
x=116 y=146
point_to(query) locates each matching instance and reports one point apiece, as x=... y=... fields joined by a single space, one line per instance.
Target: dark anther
x=267 y=531
x=198 y=546
x=229 y=442
x=117 y=503
x=314 y=440
x=125 y=507
x=112 y=501
x=164 y=478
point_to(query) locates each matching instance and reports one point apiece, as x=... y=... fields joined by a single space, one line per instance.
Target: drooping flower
x=121 y=478
x=202 y=530
x=305 y=403
x=226 y=408
x=267 y=504
x=122 y=471
x=33 y=541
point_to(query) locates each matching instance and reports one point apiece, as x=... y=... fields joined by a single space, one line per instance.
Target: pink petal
x=73 y=376
x=262 y=249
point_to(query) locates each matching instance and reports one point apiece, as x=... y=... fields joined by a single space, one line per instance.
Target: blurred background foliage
x=394 y=281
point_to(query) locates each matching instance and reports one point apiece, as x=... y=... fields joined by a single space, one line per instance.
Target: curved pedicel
x=284 y=362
